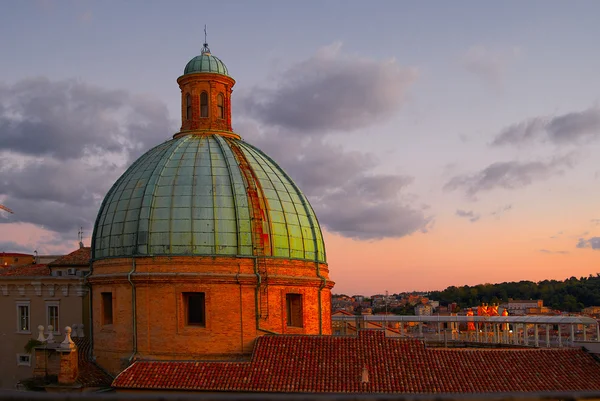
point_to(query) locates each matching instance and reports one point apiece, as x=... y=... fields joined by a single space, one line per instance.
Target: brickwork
x=213 y=85
x=205 y=307
x=69 y=367
x=47 y=362
x=231 y=299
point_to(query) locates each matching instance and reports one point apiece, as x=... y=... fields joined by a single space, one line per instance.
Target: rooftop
x=25 y=271
x=14 y=254
x=206 y=62
x=80 y=257
x=372 y=363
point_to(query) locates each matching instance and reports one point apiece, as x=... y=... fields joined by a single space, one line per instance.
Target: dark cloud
x=509 y=175
x=472 y=216
x=71 y=119
x=577 y=127
x=9 y=246
x=592 y=242
x=549 y=252
x=291 y=122
x=348 y=197
x=63 y=144
x=331 y=91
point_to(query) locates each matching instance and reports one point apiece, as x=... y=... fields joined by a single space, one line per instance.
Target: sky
x=440 y=143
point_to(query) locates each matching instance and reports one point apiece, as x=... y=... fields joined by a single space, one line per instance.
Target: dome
x=206 y=195
x=206 y=63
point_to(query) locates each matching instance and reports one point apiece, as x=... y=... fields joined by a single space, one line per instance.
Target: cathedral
x=209 y=273
x=204 y=244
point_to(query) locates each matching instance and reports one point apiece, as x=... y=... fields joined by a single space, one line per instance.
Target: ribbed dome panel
x=193 y=196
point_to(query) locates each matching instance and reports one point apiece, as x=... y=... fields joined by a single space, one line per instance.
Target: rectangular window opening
x=23 y=360
x=107 y=308
x=195 y=308
x=52 y=316
x=23 y=318
x=294 y=310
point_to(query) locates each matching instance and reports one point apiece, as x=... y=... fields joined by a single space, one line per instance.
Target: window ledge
x=22 y=332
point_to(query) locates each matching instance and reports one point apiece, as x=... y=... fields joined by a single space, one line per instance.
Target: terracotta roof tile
x=25 y=271
x=80 y=257
x=90 y=374
x=14 y=254
x=335 y=364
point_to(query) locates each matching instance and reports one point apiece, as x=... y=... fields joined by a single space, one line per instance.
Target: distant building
x=8 y=259
x=519 y=307
x=31 y=296
x=539 y=310
x=591 y=310
x=424 y=310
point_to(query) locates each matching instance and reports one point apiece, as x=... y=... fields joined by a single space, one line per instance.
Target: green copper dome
x=206 y=63
x=206 y=195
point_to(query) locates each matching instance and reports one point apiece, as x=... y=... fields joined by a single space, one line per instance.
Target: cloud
x=9 y=246
x=63 y=144
x=576 y=127
x=595 y=222
x=592 y=242
x=488 y=64
x=292 y=120
x=472 y=216
x=348 y=197
x=554 y=252
x=508 y=175
x=71 y=119
x=501 y=210
x=331 y=91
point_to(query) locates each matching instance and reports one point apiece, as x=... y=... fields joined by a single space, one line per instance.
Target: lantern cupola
x=206 y=96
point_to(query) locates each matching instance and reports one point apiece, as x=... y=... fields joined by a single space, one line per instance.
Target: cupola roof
x=206 y=62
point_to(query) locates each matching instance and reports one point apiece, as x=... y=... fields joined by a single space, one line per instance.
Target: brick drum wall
x=229 y=285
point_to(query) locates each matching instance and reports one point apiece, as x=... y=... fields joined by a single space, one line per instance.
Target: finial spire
x=205 y=49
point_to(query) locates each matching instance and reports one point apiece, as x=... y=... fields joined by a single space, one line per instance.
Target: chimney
x=69 y=367
x=365 y=375
x=53 y=359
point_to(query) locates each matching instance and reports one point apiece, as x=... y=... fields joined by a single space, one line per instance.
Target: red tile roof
x=90 y=374
x=14 y=254
x=332 y=364
x=80 y=257
x=342 y=312
x=25 y=271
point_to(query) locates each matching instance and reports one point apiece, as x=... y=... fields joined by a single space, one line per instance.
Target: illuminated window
x=204 y=104
x=293 y=304
x=195 y=311
x=221 y=106
x=23 y=317
x=52 y=315
x=107 y=308
x=188 y=102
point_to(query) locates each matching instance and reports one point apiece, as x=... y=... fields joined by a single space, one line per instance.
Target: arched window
x=221 y=106
x=188 y=106
x=204 y=104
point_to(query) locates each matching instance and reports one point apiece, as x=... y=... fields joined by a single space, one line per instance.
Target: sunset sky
x=440 y=143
